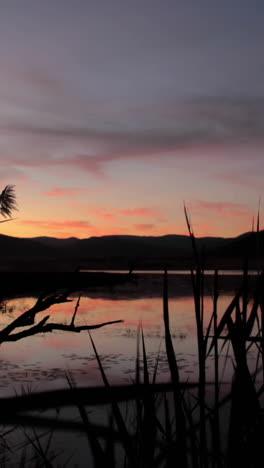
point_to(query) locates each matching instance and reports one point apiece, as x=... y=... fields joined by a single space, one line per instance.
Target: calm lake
x=40 y=362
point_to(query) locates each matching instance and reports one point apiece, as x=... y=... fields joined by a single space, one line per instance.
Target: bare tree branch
x=44 y=302
x=28 y=317
x=42 y=328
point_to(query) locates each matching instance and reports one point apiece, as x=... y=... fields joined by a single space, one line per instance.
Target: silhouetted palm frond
x=8 y=201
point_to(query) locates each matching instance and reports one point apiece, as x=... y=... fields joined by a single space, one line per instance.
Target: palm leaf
x=8 y=201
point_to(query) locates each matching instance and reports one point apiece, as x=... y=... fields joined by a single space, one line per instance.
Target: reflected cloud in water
x=43 y=360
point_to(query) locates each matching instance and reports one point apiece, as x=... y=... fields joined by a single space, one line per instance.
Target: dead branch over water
x=45 y=301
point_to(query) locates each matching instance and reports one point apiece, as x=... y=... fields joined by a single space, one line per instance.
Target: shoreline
x=111 y=285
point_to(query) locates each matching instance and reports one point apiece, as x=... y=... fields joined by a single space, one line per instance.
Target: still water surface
x=40 y=362
x=179 y=272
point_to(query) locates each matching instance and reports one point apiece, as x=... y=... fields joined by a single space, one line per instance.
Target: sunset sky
x=114 y=112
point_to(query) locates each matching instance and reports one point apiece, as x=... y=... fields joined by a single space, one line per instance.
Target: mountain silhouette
x=120 y=248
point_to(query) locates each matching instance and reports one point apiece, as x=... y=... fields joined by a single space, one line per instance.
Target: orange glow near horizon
x=73 y=213
x=65 y=228
x=127 y=202
x=68 y=228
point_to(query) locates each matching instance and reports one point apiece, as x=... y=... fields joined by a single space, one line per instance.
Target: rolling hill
x=118 y=248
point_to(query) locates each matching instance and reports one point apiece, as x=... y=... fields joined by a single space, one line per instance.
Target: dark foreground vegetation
x=149 y=424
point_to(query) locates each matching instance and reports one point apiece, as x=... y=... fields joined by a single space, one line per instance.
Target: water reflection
x=178 y=272
x=41 y=361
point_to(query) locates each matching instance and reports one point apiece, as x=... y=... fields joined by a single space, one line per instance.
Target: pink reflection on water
x=42 y=360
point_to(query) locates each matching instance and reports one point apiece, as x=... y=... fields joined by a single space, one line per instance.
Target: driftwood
x=44 y=302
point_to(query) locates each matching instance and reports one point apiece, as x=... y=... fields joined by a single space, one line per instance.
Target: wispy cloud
x=63 y=192
x=52 y=224
x=101 y=212
x=144 y=212
x=230 y=209
x=68 y=228
x=144 y=227
x=12 y=174
x=189 y=124
x=249 y=180
x=111 y=213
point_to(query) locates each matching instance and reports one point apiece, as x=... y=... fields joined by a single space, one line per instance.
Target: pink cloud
x=107 y=216
x=101 y=212
x=244 y=180
x=110 y=230
x=68 y=228
x=144 y=212
x=110 y=213
x=53 y=224
x=144 y=227
x=189 y=129
x=62 y=192
x=221 y=208
x=105 y=148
